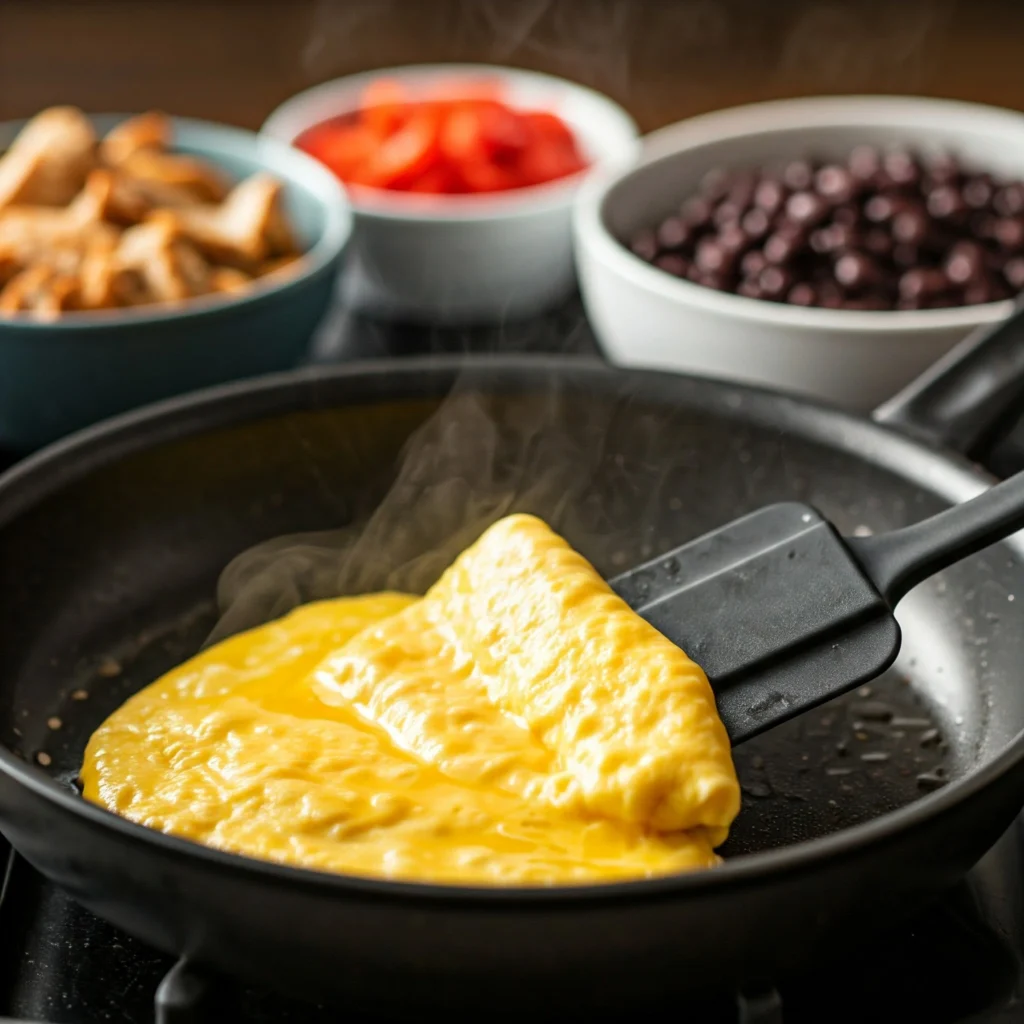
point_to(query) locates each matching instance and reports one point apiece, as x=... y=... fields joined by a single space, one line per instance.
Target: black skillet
x=112 y=543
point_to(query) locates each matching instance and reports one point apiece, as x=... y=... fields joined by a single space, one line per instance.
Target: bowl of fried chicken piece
x=145 y=256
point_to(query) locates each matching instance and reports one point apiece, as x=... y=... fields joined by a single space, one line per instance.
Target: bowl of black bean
x=830 y=246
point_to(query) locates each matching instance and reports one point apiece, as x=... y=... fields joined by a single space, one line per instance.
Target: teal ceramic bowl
x=59 y=376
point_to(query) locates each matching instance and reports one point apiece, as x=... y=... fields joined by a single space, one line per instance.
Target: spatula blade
x=774 y=608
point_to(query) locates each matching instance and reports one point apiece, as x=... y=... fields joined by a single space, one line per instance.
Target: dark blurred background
x=664 y=59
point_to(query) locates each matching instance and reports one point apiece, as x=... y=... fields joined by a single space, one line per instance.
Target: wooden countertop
x=663 y=59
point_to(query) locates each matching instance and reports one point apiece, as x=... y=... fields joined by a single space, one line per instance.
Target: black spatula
x=783 y=613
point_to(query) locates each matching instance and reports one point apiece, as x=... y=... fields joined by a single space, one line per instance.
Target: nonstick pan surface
x=112 y=545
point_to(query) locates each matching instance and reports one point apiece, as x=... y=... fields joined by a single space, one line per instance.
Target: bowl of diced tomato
x=462 y=180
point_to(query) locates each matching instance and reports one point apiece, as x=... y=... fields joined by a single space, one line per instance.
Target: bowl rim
x=593 y=237
x=388 y=205
x=337 y=224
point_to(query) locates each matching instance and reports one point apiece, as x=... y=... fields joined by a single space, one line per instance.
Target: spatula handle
x=899 y=560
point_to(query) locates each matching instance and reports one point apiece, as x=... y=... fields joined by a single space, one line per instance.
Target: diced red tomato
x=438 y=180
x=385 y=106
x=405 y=154
x=463 y=139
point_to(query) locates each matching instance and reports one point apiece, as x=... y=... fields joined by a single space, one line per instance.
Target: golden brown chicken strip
x=9 y=267
x=104 y=282
x=172 y=269
x=22 y=291
x=47 y=163
x=33 y=233
x=229 y=279
x=237 y=231
x=60 y=294
x=201 y=180
x=118 y=198
x=146 y=131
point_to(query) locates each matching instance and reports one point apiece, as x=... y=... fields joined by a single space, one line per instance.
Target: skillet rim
x=945 y=473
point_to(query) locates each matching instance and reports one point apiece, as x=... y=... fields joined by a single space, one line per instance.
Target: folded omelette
x=519 y=724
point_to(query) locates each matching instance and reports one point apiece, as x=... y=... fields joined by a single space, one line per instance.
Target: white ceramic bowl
x=645 y=317
x=466 y=258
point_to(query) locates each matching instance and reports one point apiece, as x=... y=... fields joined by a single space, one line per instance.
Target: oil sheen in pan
x=860 y=756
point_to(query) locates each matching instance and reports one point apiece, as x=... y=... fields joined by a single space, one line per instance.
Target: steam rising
x=676 y=58
x=475 y=460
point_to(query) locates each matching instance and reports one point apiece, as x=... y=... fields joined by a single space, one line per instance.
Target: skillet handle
x=965 y=400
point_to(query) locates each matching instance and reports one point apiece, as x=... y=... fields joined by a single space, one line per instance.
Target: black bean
x=901 y=169
x=978 y=192
x=911 y=226
x=922 y=283
x=806 y=208
x=943 y=170
x=978 y=292
x=848 y=215
x=733 y=239
x=1009 y=232
x=856 y=271
x=864 y=162
x=830 y=295
x=755 y=223
x=753 y=263
x=645 y=245
x=905 y=255
x=1009 y=200
x=672 y=263
x=835 y=184
x=770 y=195
x=1013 y=271
x=712 y=257
x=825 y=239
x=673 y=233
x=798 y=175
x=697 y=211
x=775 y=281
x=880 y=209
x=878 y=241
x=802 y=294
x=966 y=262
x=945 y=202
x=782 y=246
x=707 y=280
x=727 y=212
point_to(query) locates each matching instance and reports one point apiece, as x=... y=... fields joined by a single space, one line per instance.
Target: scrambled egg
x=518 y=724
